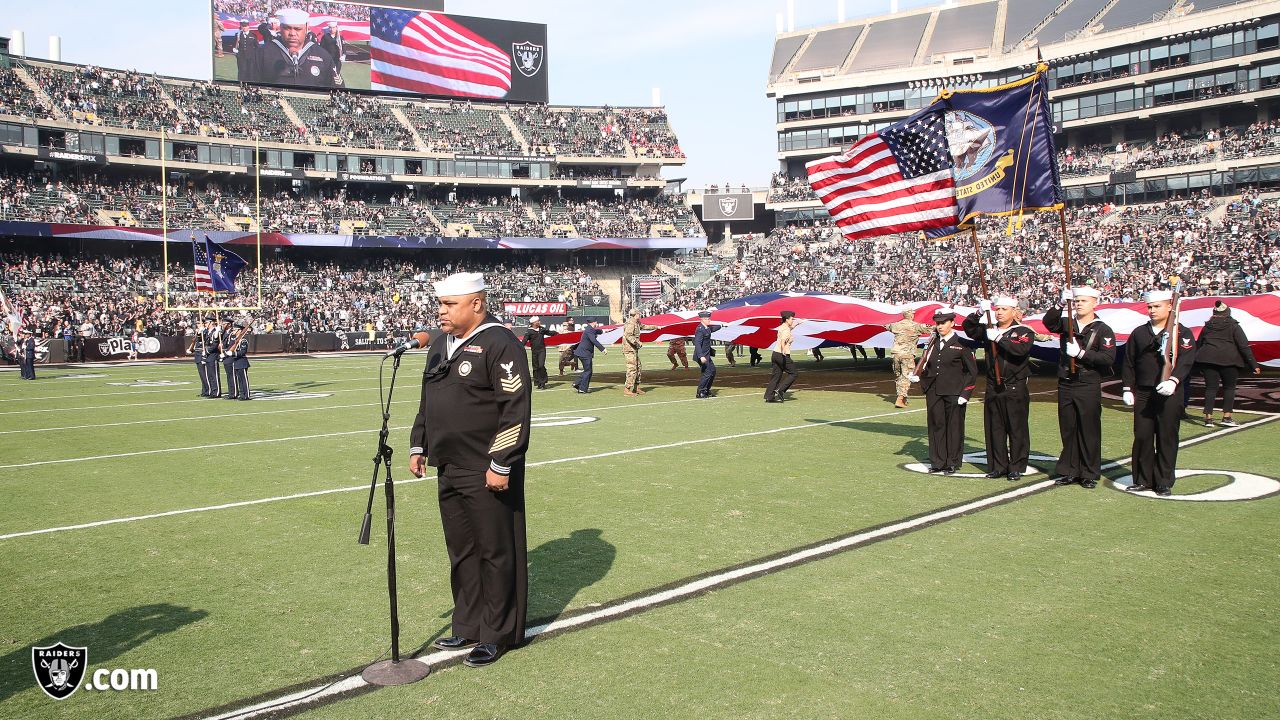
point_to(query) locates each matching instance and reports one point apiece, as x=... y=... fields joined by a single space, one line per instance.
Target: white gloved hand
x=984 y=305
x=1128 y=398
x=1067 y=295
x=913 y=378
x=1073 y=349
x=962 y=401
x=1167 y=387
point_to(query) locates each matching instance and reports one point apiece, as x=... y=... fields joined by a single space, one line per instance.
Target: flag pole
x=164 y=219
x=982 y=285
x=1066 y=266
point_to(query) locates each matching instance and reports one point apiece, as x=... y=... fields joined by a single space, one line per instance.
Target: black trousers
x=782 y=365
x=946 y=430
x=1213 y=375
x=229 y=368
x=204 y=376
x=1080 y=424
x=583 y=382
x=242 y=384
x=484 y=534
x=708 y=376
x=28 y=369
x=1004 y=422
x=755 y=356
x=540 y=368
x=1155 y=436
x=211 y=373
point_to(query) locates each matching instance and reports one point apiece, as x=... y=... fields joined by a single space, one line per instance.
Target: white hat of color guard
x=293 y=16
x=460 y=284
x=1004 y=300
x=1159 y=295
x=1086 y=291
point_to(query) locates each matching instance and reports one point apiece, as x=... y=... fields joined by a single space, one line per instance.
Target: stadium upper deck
x=1122 y=73
x=70 y=113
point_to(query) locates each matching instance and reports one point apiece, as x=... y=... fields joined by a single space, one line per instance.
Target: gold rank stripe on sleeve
x=507 y=438
x=512 y=384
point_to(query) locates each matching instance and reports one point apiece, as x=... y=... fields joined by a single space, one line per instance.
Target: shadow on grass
x=559 y=569
x=107 y=639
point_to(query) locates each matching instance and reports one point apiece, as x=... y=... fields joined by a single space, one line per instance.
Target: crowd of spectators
x=122 y=98
x=249 y=112
x=353 y=120
x=118 y=294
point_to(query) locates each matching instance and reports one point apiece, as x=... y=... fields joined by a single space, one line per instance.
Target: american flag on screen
x=203 y=282
x=430 y=54
x=650 y=289
x=895 y=180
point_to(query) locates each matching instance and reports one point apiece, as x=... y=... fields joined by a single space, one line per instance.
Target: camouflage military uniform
x=631 y=352
x=906 y=335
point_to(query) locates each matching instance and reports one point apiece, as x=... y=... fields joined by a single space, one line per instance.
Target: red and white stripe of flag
x=864 y=191
x=437 y=56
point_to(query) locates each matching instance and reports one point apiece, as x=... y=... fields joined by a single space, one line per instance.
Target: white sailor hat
x=293 y=16
x=1086 y=291
x=1004 y=300
x=1159 y=295
x=534 y=319
x=332 y=24
x=460 y=284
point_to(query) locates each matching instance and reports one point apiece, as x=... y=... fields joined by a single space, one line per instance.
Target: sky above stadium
x=710 y=59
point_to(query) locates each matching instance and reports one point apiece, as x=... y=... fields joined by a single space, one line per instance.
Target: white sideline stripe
x=171 y=402
x=197 y=417
x=244 y=503
x=695 y=587
x=184 y=388
x=181 y=367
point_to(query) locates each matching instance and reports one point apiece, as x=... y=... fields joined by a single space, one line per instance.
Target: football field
x=721 y=558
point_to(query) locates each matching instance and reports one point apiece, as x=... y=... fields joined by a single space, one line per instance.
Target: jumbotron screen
x=338 y=45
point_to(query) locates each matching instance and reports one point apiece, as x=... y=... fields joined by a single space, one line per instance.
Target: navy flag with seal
x=1002 y=146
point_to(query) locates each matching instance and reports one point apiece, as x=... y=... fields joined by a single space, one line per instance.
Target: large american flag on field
x=431 y=54
x=203 y=282
x=895 y=180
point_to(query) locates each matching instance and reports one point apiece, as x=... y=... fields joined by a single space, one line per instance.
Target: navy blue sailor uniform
x=1007 y=403
x=704 y=354
x=1156 y=417
x=473 y=417
x=312 y=67
x=28 y=358
x=1080 y=395
x=948 y=373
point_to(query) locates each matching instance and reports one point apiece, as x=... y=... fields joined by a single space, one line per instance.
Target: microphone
x=419 y=339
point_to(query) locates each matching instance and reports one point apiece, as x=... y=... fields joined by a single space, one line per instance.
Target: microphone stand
x=393 y=671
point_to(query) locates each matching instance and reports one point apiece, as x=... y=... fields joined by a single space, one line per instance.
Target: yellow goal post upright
x=164 y=234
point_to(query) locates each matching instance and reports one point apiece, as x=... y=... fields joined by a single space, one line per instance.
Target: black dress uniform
x=948 y=374
x=1007 y=403
x=1080 y=396
x=585 y=351
x=1156 y=416
x=28 y=348
x=240 y=366
x=274 y=65
x=474 y=416
x=537 y=340
x=246 y=51
x=704 y=354
x=212 y=348
x=226 y=341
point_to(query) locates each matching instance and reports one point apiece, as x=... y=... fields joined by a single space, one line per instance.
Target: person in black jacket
x=704 y=354
x=1220 y=353
x=473 y=427
x=1007 y=402
x=948 y=373
x=1083 y=361
x=536 y=338
x=1156 y=399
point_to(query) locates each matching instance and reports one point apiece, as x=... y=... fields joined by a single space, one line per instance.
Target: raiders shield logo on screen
x=59 y=669
x=527 y=57
x=729 y=205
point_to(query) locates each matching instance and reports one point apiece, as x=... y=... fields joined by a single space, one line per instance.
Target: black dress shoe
x=453 y=642
x=483 y=654
x=1089 y=484
x=770 y=400
x=1137 y=488
x=933 y=470
x=948 y=471
x=1065 y=480
x=1164 y=493
x=992 y=475
x=582 y=392
x=1015 y=476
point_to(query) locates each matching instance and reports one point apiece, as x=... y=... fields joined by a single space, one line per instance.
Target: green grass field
x=1061 y=603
